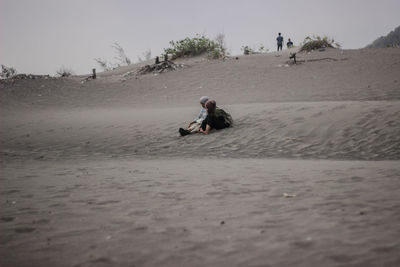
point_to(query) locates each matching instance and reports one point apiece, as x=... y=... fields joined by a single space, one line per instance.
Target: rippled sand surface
x=95 y=173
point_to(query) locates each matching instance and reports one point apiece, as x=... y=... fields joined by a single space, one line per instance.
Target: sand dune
x=320 y=130
x=334 y=75
x=95 y=173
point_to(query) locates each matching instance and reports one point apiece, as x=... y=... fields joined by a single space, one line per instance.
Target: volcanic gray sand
x=201 y=212
x=95 y=173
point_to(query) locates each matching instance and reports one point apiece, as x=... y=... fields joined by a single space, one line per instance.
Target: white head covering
x=203 y=99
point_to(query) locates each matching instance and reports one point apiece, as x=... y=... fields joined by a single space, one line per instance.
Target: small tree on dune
x=198 y=45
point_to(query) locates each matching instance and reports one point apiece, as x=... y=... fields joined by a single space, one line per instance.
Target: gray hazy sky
x=40 y=36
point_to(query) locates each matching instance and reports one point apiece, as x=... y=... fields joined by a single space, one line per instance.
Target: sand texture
x=94 y=173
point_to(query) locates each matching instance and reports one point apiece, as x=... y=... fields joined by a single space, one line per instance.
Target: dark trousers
x=215 y=123
x=280 y=46
x=204 y=124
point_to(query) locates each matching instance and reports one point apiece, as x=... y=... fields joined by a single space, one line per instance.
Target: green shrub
x=316 y=42
x=194 y=47
x=247 y=50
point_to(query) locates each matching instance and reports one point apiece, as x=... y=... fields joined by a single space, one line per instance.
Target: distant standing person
x=279 y=40
x=289 y=44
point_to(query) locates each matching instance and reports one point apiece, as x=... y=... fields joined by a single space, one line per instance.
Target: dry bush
x=104 y=64
x=220 y=39
x=146 y=55
x=159 y=68
x=7 y=72
x=316 y=42
x=64 y=72
x=121 y=56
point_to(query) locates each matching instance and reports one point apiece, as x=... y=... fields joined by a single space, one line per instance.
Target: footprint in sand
x=23 y=230
x=384 y=249
x=298 y=119
x=57 y=205
x=28 y=196
x=303 y=108
x=41 y=221
x=341 y=258
x=29 y=176
x=306 y=244
x=102 y=203
x=317 y=114
x=339 y=107
x=101 y=261
x=7 y=219
x=353 y=179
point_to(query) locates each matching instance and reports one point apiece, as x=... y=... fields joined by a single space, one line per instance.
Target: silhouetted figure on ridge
x=289 y=44
x=279 y=40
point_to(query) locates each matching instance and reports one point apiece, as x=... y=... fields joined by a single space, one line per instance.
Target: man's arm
x=198 y=116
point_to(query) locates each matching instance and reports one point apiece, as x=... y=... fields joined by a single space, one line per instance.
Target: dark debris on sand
x=159 y=67
x=25 y=77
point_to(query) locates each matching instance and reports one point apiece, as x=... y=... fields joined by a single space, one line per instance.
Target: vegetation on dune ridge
x=146 y=56
x=7 y=72
x=198 y=45
x=317 y=42
x=247 y=50
x=64 y=72
x=121 y=57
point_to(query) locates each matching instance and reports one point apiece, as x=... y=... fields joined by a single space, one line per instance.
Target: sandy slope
x=336 y=76
x=95 y=174
x=187 y=212
x=335 y=130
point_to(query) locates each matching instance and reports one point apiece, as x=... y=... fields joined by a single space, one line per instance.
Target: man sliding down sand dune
x=216 y=118
x=210 y=117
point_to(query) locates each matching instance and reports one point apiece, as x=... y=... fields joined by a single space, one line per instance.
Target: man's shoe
x=183 y=132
